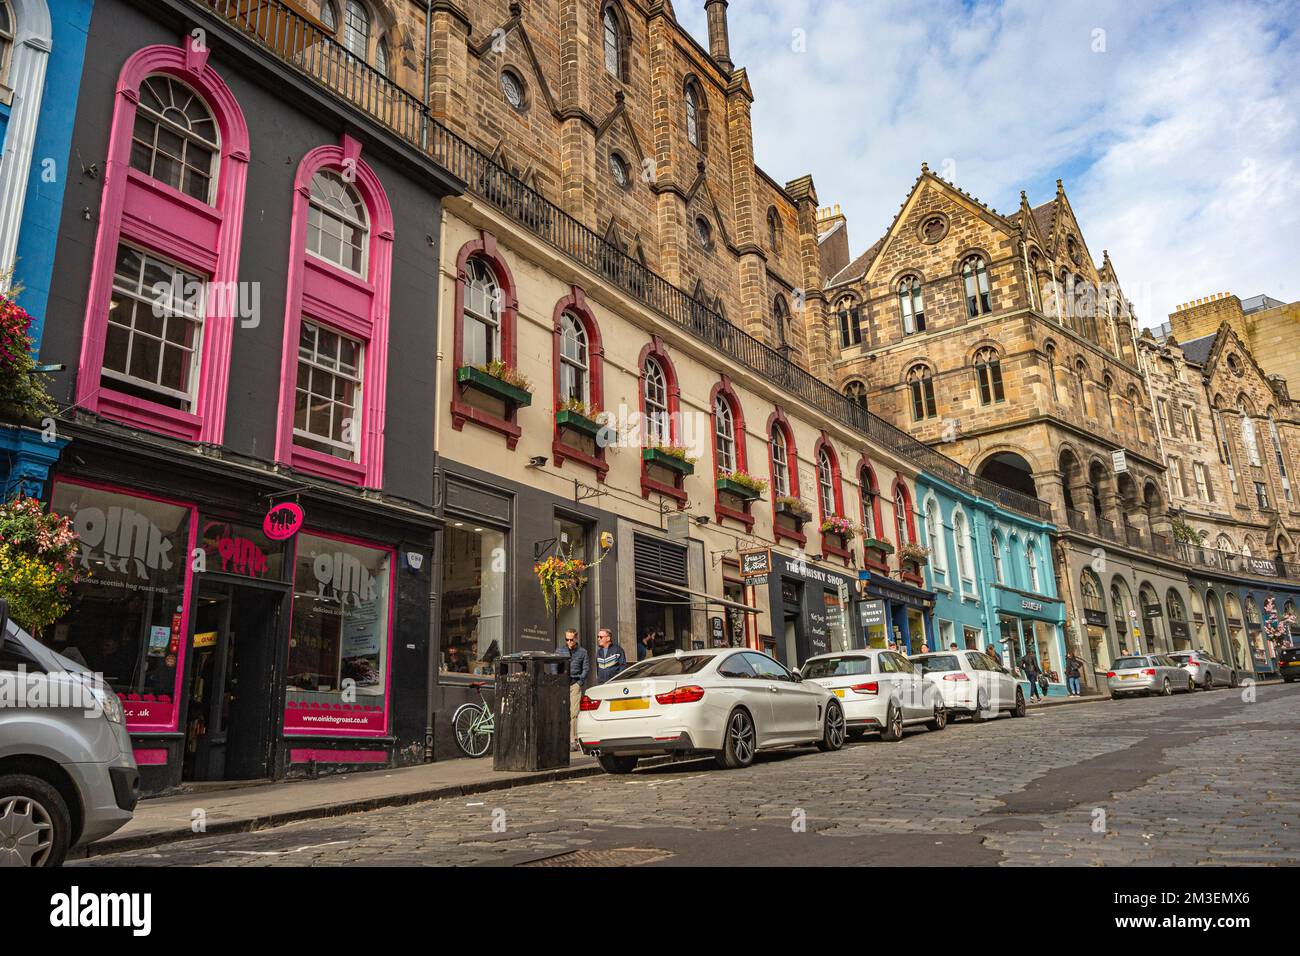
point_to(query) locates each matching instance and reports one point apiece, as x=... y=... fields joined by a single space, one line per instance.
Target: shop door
x=228 y=721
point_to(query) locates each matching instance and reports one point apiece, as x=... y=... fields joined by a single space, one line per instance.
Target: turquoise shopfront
x=1031 y=622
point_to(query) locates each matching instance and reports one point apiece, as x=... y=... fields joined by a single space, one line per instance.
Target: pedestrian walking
x=1073 y=675
x=579 y=667
x=1029 y=664
x=610 y=658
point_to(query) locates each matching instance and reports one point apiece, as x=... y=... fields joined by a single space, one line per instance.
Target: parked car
x=1288 y=663
x=1208 y=672
x=1148 y=674
x=972 y=683
x=881 y=691
x=67 y=773
x=729 y=703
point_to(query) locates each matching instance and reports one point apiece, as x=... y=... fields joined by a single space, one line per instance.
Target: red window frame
x=870 y=491
x=723 y=389
x=836 y=507
x=910 y=525
x=778 y=420
x=163 y=220
x=656 y=349
x=354 y=305
x=575 y=303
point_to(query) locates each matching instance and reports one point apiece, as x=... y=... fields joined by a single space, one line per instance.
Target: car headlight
x=111 y=706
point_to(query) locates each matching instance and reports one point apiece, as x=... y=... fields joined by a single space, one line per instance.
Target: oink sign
x=282 y=521
x=343 y=578
x=124 y=538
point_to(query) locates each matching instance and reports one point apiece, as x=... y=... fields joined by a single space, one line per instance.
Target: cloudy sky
x=1174 y=124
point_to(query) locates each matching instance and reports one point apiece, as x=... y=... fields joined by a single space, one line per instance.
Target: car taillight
x=682 y=695
x=869 y=688
x=955 y=677
x=1110 y=673
x=1150 y=672
x=588 y=704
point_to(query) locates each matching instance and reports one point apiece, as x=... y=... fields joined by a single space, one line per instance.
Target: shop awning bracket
x=541 y=547
x=581 y=491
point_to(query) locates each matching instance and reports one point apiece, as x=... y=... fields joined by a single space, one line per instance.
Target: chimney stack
x=719 y=42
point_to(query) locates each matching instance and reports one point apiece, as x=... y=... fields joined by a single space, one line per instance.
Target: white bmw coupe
x=729 y=703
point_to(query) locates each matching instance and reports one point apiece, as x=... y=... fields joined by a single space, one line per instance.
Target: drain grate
x=621 y=856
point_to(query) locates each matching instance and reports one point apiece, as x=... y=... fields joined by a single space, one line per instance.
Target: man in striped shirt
x=610 y=659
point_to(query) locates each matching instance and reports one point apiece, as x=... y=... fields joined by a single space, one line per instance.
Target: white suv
x=972 y=683
x=67 y=770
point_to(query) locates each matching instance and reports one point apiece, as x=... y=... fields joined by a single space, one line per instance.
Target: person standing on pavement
x=1073 y=674
x=579 y=668
x=610 y=658
x=1029 y=664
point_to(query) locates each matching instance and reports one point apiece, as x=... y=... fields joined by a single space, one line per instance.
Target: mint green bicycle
x=474 y=724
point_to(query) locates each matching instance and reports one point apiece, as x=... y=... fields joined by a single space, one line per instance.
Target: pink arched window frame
x=656 y=349
x=354 y=305
x=158 y=218
x=575 y=303
x=724 y=389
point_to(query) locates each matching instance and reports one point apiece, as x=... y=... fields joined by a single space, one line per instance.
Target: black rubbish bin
x=532 y=721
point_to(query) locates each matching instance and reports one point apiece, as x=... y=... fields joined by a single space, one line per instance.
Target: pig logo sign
x=283 y=521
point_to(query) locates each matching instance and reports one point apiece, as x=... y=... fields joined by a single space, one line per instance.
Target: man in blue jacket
x=610 y=659
x=579 y=668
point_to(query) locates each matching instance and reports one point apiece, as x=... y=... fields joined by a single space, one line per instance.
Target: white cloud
x=1177 y=143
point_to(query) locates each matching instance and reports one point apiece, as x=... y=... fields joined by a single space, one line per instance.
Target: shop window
x=335 y=355
x=839 y=636
x=474 y=569
x=127 y=618
x=180 y=137
x=339 y=649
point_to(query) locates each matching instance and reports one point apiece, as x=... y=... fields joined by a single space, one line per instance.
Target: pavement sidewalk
x=234 y=808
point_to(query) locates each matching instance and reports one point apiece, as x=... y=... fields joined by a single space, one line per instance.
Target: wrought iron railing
x=300 y=43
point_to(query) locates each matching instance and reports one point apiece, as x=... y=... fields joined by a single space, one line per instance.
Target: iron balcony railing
x=297 y=41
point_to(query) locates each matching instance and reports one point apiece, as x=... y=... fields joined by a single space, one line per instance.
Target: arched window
x=903 y=514
x=773 y=229
x=1081 y=376
x=780 y=463
x=382 y=57
x=961 y=536
x=614 y=41
x=920 y=384
x=658 y=423
x=856 y=392
x=337 y=228
x=695 y=114
x=1051 y=371
x=1090 y=587
x=911 y=304
x=356 y=29
x=1174 y=605
x=481 y=316
x=575 y=367
x=1107 y=397
x=850 y=316
x=988 y=375
x=975 y=278
x=870 y=495
x=995 y=541
x=826 y=483
x=1031 y=563
x=780 y=315
x=934 y=539
x=1280 y=455
x=724 y=433
x=329 y=15
x=1248 y=436
x=175 y=138
x=1119 y=613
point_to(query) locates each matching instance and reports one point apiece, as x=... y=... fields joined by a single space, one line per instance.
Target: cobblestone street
x=1200 y=779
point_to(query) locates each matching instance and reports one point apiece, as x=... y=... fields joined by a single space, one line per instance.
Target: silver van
x=67 y=771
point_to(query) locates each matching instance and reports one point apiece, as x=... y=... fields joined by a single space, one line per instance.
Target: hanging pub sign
x=283 y=521
x=755 y=566
x=242 y=550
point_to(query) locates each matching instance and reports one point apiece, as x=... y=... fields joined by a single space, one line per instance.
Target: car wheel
x=832 y=729
x=1165 y=689
x=1209 y=681
x=612 y=764
x=981 y=706
x=34 y=822
x=940 y=719
x=1191 y=685
x=1019 y=709
x=1232 y=681
x=893 y=729
x=741 y=740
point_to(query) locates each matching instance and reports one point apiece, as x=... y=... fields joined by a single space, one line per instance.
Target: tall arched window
x=825 y=483
x=329 y=15
x=1051 y=371
x=1280 y=454
x=383 y=61
x=780 y=463
x=575 y=377
x=481 y=316
x=1081 y=377
x=975 y=279
x=773 y=229
x=658 y=423
x=934 y=539
x=870 y=489
x=1090 y=587
x=1248 y=436
x=902 y=514
x=337 y=225
x=856 y=392
x=911 y=304
x=356 y=29
x=175 y=139
x=724 y=433
x=695 y=113
x=1108 y=398
x=965 y=558
x=780 y=316
x=920 y=385
x=850 y=316
x=995 y=542
x=612 y=25
x=988 y=375
x=1031 y=563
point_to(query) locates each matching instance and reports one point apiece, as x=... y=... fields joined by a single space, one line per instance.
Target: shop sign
x=1028 y=605
x=755 y=563
x=240 y=550
x=1095 y=618
x=1180 y=630
x=872 y=613
x=1262 y=566
x=1152 y=610
x=205 y=639
x=283 y=521
x=718 y=632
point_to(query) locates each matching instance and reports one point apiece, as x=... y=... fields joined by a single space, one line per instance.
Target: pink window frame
x=724 y=389
x=148 y=213
x=576 y=304
x=354 y=305
x=485 y=249
x=656 y=349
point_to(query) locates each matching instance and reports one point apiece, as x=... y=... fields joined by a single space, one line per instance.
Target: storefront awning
x=677 y=589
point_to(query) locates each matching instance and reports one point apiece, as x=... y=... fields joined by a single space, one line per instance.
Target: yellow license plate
x=839 y=692
x=635 y=703
x=1129 y=676
x=1288 y=663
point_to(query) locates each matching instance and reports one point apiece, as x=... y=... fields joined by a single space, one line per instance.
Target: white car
x=880 y=691
x=971 y=682
x=729 y=703
x=1208 y=672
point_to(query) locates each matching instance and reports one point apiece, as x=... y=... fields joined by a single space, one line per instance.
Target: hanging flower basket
x=839 y=525
x=23 y=398
x=794 y=508
x=38 y=563
x=914 y=553
x=562 y=580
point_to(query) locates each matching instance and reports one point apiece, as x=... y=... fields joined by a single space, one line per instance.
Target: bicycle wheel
x=472 y=723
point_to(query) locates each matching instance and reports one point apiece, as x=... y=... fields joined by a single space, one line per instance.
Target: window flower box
x=840 y=527
x=794 y=508
x=913 y=554
x=581 y=422
x=741 y=485
x=673 y=459
x=498 y=380
x=885 y=548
